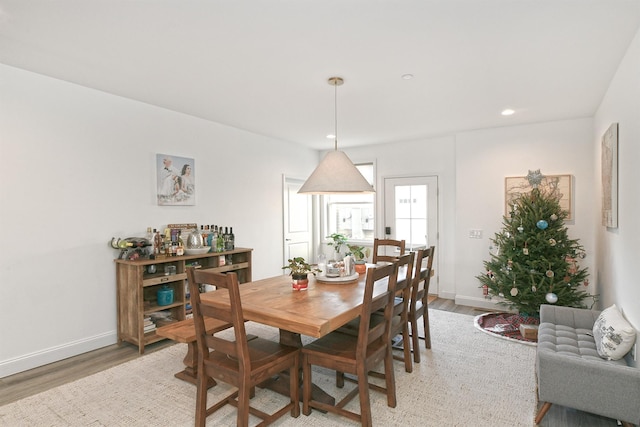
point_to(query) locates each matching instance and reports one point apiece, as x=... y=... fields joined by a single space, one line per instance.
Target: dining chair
x=357 y=354
x=418 y=304
x=381 y=248
x=400 y=315
x=239 y=362
x=400 y=319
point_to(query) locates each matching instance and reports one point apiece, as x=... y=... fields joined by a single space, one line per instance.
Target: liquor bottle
x=212 y=239
x=124 y=244
x=232 y=239
x=226 y=239
x=157 y=242
x=167 y=242
x=220 y=241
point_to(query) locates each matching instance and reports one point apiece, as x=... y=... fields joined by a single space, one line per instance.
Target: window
x=352 y=214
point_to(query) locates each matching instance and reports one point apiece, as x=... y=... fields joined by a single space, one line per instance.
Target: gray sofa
x=571 y=373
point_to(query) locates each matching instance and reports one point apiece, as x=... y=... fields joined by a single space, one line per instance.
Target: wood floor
x=36 y=380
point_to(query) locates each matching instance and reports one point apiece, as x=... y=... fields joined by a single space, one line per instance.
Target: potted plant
x=359 y=253
x=338 y=241
x=299 y=270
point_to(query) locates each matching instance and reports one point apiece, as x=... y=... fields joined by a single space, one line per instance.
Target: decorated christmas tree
x=533 y=260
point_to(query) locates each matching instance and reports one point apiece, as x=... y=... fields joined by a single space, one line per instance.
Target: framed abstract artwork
x=610 y=177
x=558 y=185
x=176 y=177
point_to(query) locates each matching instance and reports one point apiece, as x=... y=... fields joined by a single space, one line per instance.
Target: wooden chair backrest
x=420 y=293
x=384 y=302
x=403 y=288
x=384 y=244
x=238 y=349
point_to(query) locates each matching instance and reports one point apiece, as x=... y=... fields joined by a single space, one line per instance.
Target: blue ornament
x=542 y=224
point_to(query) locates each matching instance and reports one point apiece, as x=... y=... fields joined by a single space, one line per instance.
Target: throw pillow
x=614 y=336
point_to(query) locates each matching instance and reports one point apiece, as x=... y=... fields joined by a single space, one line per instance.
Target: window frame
x=325 y=209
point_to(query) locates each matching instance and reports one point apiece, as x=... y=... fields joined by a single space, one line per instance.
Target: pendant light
x=336 y=174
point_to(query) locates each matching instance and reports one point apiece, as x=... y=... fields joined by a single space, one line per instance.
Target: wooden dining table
x=320 y=309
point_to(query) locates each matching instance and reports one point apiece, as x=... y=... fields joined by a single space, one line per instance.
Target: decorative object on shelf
x=610 y=177
x=197 y=251
x=336 y=173
x=131 y=247
x=176 y=178
x=165 y=296
x=299 y=270
x=195 y=240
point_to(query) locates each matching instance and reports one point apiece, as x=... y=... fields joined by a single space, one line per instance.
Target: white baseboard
x=480 y=303
x=447 y=295
x=54 y=354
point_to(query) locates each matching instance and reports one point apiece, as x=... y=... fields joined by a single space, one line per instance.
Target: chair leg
x=363 y=392
x=390 y=379
x=244 y=396
x=427 y=332
x=339 y=379
x=542 y=412
x=306 y=385
x=408 y=365
x=294 y=387
x=415 y=341
x=201 y=397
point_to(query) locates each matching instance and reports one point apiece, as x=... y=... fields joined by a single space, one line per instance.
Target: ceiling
x=263 y=65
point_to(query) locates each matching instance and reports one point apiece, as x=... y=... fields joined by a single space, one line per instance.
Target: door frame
x=381 y=219
x=312 y=219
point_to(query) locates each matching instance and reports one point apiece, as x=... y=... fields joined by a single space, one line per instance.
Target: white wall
x=484 y=158
x=430 y=157
x=618 y=249
x=79 y=168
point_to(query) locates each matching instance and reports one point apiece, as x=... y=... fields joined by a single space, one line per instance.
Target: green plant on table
x=358 y=252
x=298 y=266
x=338 y=241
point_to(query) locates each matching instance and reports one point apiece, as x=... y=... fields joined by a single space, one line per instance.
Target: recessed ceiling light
x=507 y=112
x=331 y=136
x=407 y=76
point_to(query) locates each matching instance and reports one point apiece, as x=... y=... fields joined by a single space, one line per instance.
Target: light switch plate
x=475 y=234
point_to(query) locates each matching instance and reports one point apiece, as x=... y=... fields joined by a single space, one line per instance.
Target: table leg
x=190 y=372
x=280 y=383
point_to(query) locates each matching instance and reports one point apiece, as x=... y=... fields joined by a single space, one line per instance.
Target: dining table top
x=321 y=308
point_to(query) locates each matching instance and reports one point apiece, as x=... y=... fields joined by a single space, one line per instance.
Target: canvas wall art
x=558 y=185
x=175 y=180
x=610 y=177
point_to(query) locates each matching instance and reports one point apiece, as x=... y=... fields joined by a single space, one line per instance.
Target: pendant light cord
x=335 y=110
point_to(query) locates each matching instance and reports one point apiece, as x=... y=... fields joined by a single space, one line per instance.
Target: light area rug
x=467 y=379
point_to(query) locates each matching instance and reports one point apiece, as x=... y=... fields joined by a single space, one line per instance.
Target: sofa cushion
x=613 y=335
x=572 y=342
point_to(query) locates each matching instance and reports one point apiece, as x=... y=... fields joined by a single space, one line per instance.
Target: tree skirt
x=506 y=325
